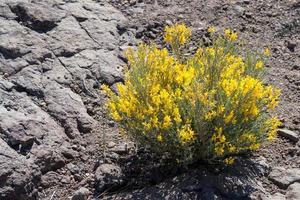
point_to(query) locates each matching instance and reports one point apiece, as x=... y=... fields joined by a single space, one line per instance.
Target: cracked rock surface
x=54 y=55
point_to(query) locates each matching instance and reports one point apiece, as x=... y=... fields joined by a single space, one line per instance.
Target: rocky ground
x=56 y=141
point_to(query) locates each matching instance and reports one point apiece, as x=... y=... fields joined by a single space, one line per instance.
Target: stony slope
x=53 y=57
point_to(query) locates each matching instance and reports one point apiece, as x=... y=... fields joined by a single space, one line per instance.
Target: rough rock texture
x=293 y=191
x=53 y=55
x=284 y=177
x=291 y=135
x=108 y=176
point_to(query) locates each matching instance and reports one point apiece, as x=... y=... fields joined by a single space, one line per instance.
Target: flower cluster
x=210 y=106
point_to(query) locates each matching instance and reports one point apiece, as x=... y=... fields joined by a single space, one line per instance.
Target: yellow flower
x=177 y=34
x=259 y=64
x=267 y=52
x=147 y=126
x=230 y=35
x=186 y=134
x=218 y=137
x=159 y=138
x=227 y=33
x=272 y=97
x=229 y=86
x=167 y=122
x=154 y=121
x=210 y=51
x=254 y=147
x=272 y=126
x=107 y=90
x=230 y=118
x=211 y=29
x=231 y=148
x=116 y=116
x=219 y=150
x=176 y=114
x=229 y=161
x=221 y=109
x=210 y=115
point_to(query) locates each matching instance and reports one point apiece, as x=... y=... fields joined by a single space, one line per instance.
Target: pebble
x=284 y=177
x=293 y=192
x=111 y=144
x=81 y=194
x=120 y=149
x=291 y=135
x=276 y=196
x=239 y=9
x=291 y=45
x=108 y=175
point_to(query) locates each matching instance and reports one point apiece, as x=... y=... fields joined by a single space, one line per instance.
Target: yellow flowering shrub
x=209 y=106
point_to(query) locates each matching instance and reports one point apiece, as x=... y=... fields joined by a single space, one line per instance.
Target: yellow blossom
x=177 y=34
x=186 y=134
x=159 y=138
x=219 y=150
x=259 y=64
x=272 y=126
x=116 y=116
x=229 y=161
x=211 y=29
x=167 y=122
x=267 y=52
x=230 y=118
x=230 y=35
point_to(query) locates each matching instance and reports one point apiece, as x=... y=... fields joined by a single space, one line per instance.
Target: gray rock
x=239 y=9
x=293 y=192
x=276 y=196
x=51 y=52
x=68 y=38
x=16 y=173
x=50 y=179
x=291 y=135
x=5 y=85
x=111 y=144
x=39 y=17
x=6 y=12
x=284 y=177
x=108 y=175
x=291 y=45
x=81 y=194
x=67 y=107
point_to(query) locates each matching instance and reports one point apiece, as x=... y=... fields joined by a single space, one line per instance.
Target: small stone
x=276 y=196
x=169 y=22
x=65 y=180
x=239 y=9
x=262 y=165
x=293 y=192
x=291 y=45
x=111 y=123
x=284 y=177
x=246 y=1
x=108 y=175
x=291 y=135
x=120 y=149
x=111 y=144
x=81 y=194
x=296 y=66
x=74 y=169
